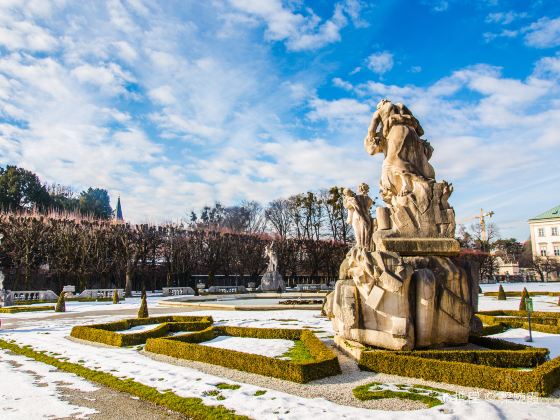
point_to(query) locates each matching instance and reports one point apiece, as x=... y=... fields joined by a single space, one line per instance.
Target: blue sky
x=177 y=104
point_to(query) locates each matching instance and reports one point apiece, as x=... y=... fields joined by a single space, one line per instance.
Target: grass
x=223 y=385
x=188 y=406
x=298 y=353
x=260 y=392
x=375 y=391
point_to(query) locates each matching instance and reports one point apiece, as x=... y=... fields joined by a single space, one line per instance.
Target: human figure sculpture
x=359 y=214
x=272 y=258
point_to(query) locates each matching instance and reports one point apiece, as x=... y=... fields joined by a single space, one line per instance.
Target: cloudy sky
x=177 y=104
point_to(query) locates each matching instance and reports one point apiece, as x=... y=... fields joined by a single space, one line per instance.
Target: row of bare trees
x=72 y=249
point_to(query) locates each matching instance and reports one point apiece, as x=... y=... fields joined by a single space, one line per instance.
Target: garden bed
x=322 y=362
x=112 y=333
x=502 y=365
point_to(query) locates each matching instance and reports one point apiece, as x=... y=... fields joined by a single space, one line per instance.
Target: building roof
x=119 y=209
x=553 y=213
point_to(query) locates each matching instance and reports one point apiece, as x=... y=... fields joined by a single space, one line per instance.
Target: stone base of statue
x=5 y=298
x=272 y=282
x=415 y=298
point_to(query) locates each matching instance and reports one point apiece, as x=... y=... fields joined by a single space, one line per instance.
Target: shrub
x=61 y=303
x=522 y=303
x=143 y=311
x=115 y=297
x=16 y=309
x=324 y=362
x=108 y=333
x=501 y=293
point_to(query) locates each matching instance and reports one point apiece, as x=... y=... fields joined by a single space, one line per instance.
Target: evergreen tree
x=501 y=293
x=95 y=202
x=115 y=297
x=524 y=295
x=21 y=189
x=143 y=311
x=61 y=303
x=479 y=289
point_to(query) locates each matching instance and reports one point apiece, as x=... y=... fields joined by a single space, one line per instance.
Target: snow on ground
x=139 y=329
x=51 y=335
x=540 y=339
x=540 y=303
x=29 y=391
x=264 y=347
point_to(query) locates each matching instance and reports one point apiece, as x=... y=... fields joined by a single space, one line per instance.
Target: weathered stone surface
x=399 y=289
x=271 y=282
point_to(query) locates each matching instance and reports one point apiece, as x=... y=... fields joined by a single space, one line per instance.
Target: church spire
x=119 y=210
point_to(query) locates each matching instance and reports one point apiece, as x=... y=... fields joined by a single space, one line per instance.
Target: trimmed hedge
x=16 y=309
x=518 y=294
x=496 y=368
x=324 y=363
x=503 y=354
x=547 y=322
x=191 y=407
x=108 y=333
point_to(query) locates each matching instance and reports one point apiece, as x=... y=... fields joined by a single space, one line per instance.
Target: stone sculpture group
x=272 y=280
x=399 y=287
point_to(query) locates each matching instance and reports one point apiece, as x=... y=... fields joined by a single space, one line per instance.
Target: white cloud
x=380 y=62
x=544 y=33
x=339 y=112
x=300 y=31
x=505 y=18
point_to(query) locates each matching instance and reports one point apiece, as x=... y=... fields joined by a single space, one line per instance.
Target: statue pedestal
x=406 y=294
x=271 y=282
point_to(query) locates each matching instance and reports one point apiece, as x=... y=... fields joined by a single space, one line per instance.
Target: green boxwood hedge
x=16 y=309
x=497 y=367
x=518 y=294
x=324 y=363
x=108 y=333
x=547 y=322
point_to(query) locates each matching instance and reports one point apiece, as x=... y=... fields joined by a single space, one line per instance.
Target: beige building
x=545 y=233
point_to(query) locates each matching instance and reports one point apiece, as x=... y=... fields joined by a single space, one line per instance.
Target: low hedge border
x=68 y=299
x=518 y=294
x=16 y=309
x=497 y=368
x=324 y=363
x=547 y=322
x=108 y=333
x=502 y=354
x=189 y=406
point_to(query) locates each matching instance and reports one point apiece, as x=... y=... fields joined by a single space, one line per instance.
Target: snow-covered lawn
x=540 y=339
x=51 y=335
x=264 y=347
x=540 y=303
x=21 y=397
x=139 y=328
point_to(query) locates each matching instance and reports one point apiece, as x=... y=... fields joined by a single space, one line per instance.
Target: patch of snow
x=139 y=328
x=264 y=347
x=540 y=339
x=22 y=397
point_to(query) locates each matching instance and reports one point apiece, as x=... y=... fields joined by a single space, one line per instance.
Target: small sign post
x=529 y=308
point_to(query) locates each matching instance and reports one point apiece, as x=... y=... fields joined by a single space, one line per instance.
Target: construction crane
x=482 y=221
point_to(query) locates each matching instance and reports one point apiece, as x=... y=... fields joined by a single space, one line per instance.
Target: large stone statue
x=399 y=289
x=272 y=280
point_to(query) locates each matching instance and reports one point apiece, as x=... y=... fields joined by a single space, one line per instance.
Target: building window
x=543 y=252
x=557 y=250
x=554 y=231
x=541 y=232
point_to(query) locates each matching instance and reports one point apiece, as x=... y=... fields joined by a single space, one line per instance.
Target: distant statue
x=359 y=215
x=272 y=258
x=272 y=280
